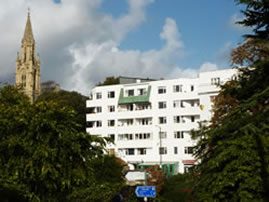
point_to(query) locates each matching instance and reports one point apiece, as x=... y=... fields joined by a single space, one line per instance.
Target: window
x=162 y=120
x=112 y=137
x=176 y=103
x=192 y=118
x=163 y=135
x=130 y=107
x=111 y=123
x=188 y=150
x=187 y=168
x=161 y=90
x=144 y=121
x=23 y=80
x=215 y=81
x=212 y=98
x=142 y=136
x=162 y=150
x=125 y=136
x=130 y=151
x=175 y=150
x=111 y=108
x=177 y=88
x=176 y=119
x=98 y=109
x=130 y=93
x=162 y=105
x=111 y=94
x=98 y=123
x=141 y=91
x=182 y=104
x=98 y=95
x=192 y=87
x=178 y=134
x=141 y=151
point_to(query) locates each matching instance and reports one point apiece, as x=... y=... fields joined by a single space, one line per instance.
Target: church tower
x=28 y=64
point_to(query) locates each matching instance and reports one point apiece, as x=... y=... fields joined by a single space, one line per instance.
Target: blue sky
x=81 y=42
x=205 y=26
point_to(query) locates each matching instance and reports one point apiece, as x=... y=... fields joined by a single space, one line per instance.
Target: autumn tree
x=233 y=151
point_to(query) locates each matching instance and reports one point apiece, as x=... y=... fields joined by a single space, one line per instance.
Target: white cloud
x=208 y=66
x=93 y=62
x=79 y=45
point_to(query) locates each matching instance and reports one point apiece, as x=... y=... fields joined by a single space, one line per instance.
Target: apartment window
x=188 y=150
x=192 y=118
x=192 y=87
x=212 y=98
x=112 y=137
x=182 y=104
x=130 y=151
x=111 y=123
x=175 y=150
x=177 y=88
x=111 y=94
x=98 y=123
x=130 y=92
x=176 y=119
x=162 y=120
x=163 y=150
x=215 y=81
x=125 y=136
x=176 y=103
x=141 y=151
x=99 y=95
x=130 y=107
x=161 y=90
x=163 y=135
x=162 y=105
x=178 y=134
x=98 y=109
x=187 y=168
x=142 y=136
x=111 y=108
x=144 y=121
x=141 y=91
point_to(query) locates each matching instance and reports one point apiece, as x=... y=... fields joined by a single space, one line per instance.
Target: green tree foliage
x=256 y=16
x=178 y=188
x=72 y=99
x=110 y=81
x=233 y=151
x=45 y=157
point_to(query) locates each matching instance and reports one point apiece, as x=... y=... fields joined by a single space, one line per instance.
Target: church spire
x=28 y=64
x=28 y=32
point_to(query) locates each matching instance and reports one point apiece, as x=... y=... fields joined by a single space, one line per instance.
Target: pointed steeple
x=28 y=64
x=28 y=32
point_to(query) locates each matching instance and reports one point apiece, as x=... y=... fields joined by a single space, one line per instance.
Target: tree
x=155 y=177
x=43 y=154
x=233 y=151
x=110 y=81
x=178 y=187
x=73 y=99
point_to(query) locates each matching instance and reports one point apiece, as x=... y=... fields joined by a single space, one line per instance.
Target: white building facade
x=151 y=121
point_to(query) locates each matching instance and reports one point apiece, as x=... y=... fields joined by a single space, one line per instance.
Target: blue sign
x=145 y=191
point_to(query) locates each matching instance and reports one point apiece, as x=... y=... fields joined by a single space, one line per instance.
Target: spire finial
x=28 y=33
x=28 y=11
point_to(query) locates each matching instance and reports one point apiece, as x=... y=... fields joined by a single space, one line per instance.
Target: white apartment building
x=150 y=121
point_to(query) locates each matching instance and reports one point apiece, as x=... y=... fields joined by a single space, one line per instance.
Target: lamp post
x=160 y=146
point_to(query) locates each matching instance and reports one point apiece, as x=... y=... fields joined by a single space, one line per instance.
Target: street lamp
x=160 y=146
